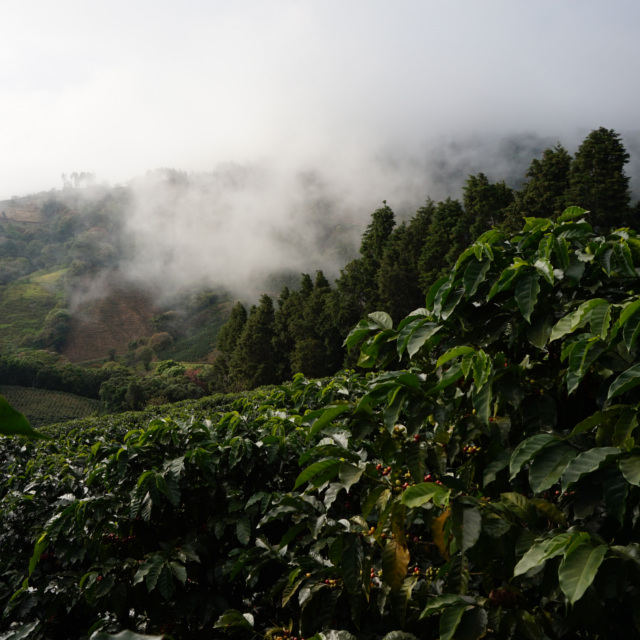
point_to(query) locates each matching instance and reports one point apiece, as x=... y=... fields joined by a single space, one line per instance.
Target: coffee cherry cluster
x=432 y=478
x=471 y=449
x=431 y=573
x=384 y=471
x=331 y=583
x=375 y=578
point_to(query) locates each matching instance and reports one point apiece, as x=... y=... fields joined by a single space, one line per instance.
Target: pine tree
x=398 y=281
x=252 y=363
x=357 y=284
x=449 y=234
x=597 y=181
x=485 y=203
x=228 y=337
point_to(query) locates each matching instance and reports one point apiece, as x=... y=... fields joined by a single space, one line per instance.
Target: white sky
x=117 y=88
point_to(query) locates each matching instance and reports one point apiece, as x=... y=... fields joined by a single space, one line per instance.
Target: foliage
x=488 y=488
x=160 y=340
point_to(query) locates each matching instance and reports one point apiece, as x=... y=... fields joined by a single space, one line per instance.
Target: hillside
x=62 y=286
x=109 y=320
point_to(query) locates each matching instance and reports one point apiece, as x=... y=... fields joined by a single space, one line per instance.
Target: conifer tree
x=228 y=337
x=252 y=363
x=398 y=282
x=485 y=203
x=449 y=234
x=357 y=285
x=597 y=181
x=287 y=316
x=544 y=195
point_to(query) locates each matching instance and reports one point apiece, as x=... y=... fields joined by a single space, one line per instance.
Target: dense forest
x=303 y=330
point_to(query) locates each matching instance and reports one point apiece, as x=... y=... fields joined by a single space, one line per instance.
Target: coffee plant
x=482 y=480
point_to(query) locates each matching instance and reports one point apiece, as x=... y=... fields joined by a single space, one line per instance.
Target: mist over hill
x=240 y=225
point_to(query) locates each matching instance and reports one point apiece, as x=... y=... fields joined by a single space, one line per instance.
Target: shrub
x=159 y=341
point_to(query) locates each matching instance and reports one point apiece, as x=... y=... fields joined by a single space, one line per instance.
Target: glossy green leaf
x=624 y=427
x=482 y=402
x=466 y=525
x=597 y=419
x=528 y=449
x=624 y=382
x=630 y=467
x=600 y=320
x=526 y=293
x=448 y=378
x=570 y=213
x=631 y=309
x=545 y=269
x=503 y=282
x=243 y=531
x=541 y=551
x=547 y=467
x=578 y=318
x=434 y=295
x=453 y=353
x=317 y=467
x=419 y=494
x=587 y=462
x=328 y=416
x=578 y=569
x=382 y=319
x=349 y=474
x=631 y=329
x=500 y=462
x=438 y=603
x=540 y=330
x=450 y=619
x=623 y=258
x=420 y=335
x=474 y=275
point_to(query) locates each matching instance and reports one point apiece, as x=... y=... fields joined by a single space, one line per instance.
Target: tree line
x=303 y=331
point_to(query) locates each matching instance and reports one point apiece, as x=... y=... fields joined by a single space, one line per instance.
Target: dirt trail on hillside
x=120 y=314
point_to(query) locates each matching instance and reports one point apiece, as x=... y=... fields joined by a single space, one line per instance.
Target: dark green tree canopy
x=544 y=194
x=597 y=180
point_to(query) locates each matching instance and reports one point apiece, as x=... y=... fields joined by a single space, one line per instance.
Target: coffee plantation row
x=482 y=480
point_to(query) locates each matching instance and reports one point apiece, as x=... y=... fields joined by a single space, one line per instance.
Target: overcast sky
x=117 y=88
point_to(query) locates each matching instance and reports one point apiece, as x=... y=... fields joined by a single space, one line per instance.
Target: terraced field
x=43 y=407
